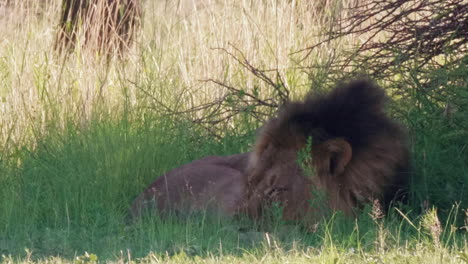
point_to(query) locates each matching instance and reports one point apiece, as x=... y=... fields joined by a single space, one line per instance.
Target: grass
x=80 y=138
x=72 y=192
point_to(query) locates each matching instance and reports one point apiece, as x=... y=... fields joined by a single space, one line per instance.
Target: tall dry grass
x=178 y=47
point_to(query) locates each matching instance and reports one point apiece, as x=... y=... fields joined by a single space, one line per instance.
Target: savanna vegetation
x=84 y=127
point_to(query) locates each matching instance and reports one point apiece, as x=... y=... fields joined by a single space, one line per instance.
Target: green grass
x=71 y=193
x=80 y=139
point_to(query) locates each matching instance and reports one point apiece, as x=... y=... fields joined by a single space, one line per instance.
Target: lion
x=357 y=155
x=216 y=183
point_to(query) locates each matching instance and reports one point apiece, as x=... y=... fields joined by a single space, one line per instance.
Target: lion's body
x=215 y=182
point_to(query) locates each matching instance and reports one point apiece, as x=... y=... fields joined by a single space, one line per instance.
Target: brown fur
x=214 y=182
x=358 y=154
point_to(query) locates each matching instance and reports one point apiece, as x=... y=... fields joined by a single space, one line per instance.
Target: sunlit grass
x=179 y=46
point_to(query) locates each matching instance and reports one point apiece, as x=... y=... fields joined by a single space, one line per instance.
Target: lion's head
x=355 y=151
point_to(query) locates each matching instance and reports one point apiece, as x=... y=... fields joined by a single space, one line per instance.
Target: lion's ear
x=339 y=155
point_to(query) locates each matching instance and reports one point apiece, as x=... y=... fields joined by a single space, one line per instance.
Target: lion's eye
x=276 y=191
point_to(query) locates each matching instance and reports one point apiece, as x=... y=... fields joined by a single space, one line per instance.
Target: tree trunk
x=104 y=26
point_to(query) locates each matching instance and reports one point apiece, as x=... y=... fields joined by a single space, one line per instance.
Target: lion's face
x=277 y=173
